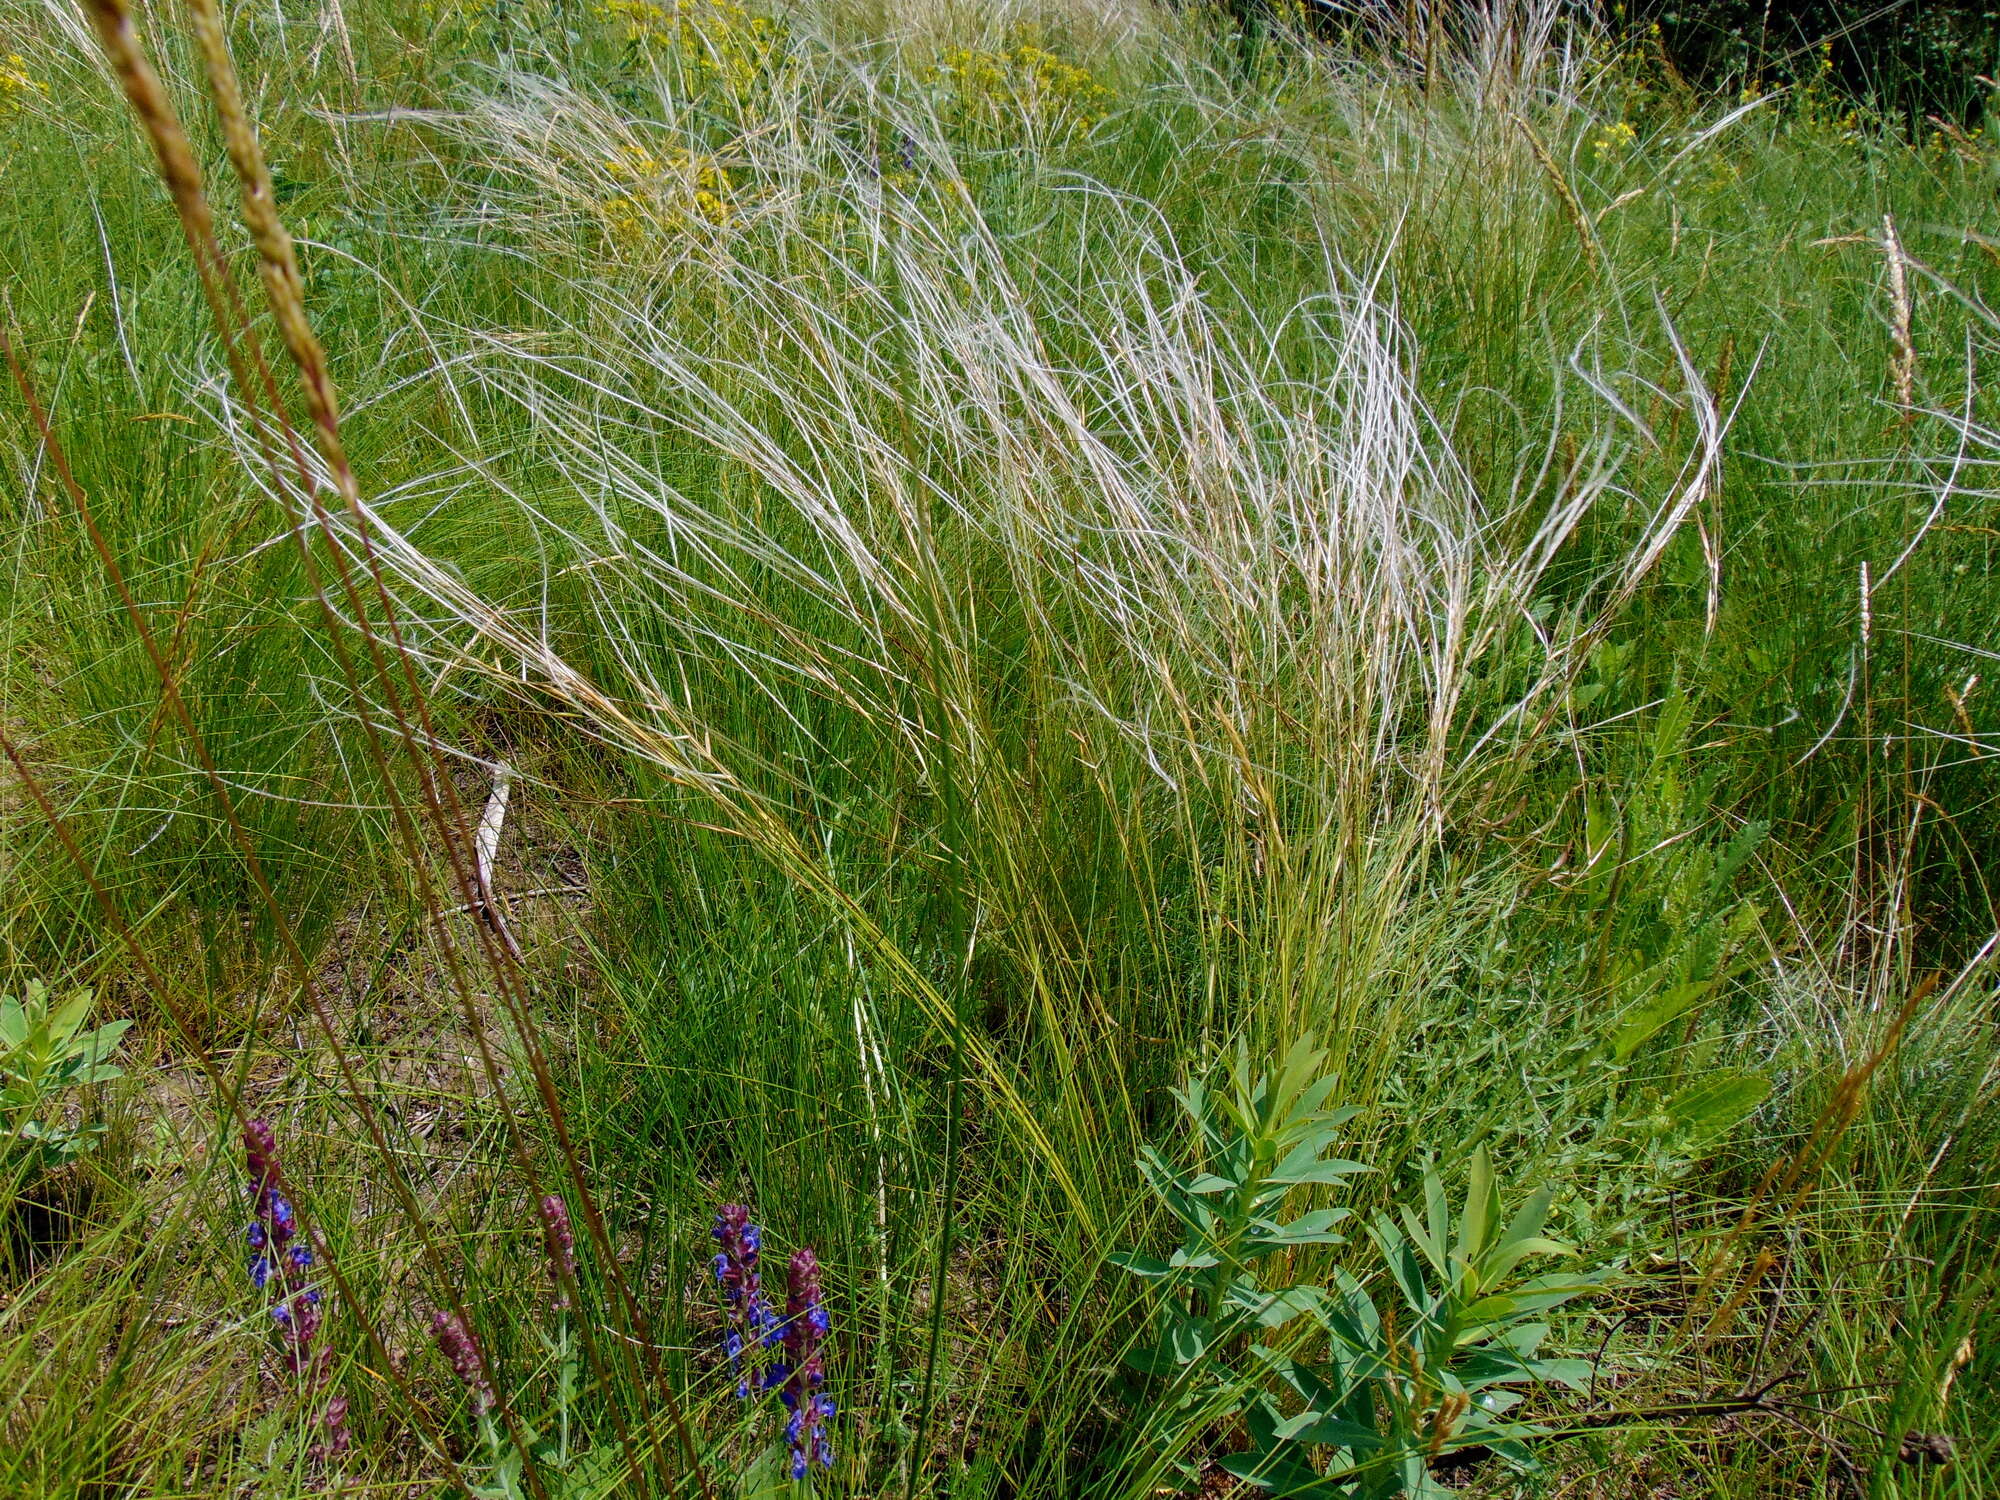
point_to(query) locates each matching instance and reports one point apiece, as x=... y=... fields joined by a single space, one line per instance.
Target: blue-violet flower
x=737 y=1271
x=280 y=1263
x=806 y=1328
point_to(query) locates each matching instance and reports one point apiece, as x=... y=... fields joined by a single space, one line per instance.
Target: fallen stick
x=545 y=890
x=485 y=848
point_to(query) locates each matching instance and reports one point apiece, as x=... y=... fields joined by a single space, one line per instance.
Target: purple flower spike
x=559 y=1245
x=804 y=1369
x=334 y=1420
x=280 y=1269
x=737 y=1271
x=458 y=1346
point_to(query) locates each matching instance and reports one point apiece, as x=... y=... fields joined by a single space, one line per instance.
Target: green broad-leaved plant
x=1437 y=1366
x=44 y=1052
x=1260 y=1139
x=1372 y=1393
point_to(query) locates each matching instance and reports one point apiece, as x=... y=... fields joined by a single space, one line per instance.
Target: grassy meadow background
x=1002 y=554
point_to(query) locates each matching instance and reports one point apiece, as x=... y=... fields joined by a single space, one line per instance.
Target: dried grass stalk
x=1572 y=205
x=1903 y=356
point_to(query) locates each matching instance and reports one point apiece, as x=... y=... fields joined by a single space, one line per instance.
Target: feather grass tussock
x=997 y=558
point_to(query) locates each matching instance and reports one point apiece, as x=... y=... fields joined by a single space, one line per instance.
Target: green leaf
x=1524 y=1338
x=1523 y=1237
x=1740 y=849
x=1139 y=1265
x=1482 y=1207
x=1643 y=1020
x=1434 y=1239
x=1332 y=1432
x=1400 y=1259
x=1491 y=1365
x=1152 y=1359
x=1703 y=1113
x=1310 y=1104
x=1574 y=1373
x=1281 y=1307
x=1531 y=1296
x=1325 y=1172
x=1602 y=824
x=73 y=1012
x=1187 y=1340
x=1306 y=1229
x=1530 y=1216
x=97 y=1045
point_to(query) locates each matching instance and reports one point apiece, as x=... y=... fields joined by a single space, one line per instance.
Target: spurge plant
x=1387 y=1391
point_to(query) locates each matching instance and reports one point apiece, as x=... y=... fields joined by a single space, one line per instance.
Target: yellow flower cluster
x=1613 y=141
x=1024 y=80
x=641 y=19
x=1818 y=100
x=16 y=83
x=664 y=195
x=717 y=41
x=1972 y=146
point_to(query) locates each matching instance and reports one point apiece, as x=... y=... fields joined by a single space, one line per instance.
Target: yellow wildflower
x=718 y=42
x=1613 y=141
x=1024 y=81
x=664 y=195
x=17 y=84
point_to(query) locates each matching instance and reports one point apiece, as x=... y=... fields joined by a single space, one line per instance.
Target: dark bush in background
x=1909 y=58
x=1914 y=58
